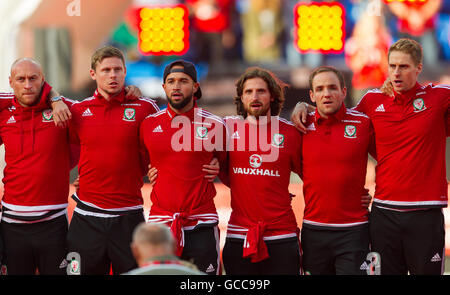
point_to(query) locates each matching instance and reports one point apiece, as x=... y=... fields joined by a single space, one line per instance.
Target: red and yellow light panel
x=163 y=30
x=319 y=27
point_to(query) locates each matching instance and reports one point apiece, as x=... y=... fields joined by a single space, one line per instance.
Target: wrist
x=55 y=99
x=300 y=103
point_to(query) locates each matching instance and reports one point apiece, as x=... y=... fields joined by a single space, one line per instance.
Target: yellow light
x=319 y=27
x=145 y=13
x=336 y=44
x=145 y=35
x=156 y=46
x=146 y=46
x=166 y=12
x=314 y=10
x=163 y=30
x=178 y=13
x=178 y=35
x=178 y=46
x=325 y=10
x=178 y=24
x=145 y=24
x=336 y=10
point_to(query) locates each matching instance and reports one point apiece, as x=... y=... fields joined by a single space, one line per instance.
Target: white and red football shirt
x=261 y=157
x=110 y=167
x=178 y=145
x=36 y=176
x=410 y=131
x=334 y=164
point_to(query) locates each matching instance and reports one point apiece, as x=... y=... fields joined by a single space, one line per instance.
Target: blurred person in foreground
x=154 y=247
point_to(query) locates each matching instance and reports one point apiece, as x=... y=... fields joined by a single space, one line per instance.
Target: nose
x=254 y=95
x=397 y=71
x=27 y=84
x=177 y=85
x=326 y=92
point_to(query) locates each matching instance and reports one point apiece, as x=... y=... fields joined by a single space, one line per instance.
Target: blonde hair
x=105 y=52
x=408 y=46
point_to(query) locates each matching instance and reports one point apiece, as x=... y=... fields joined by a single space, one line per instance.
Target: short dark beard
x=181 y=104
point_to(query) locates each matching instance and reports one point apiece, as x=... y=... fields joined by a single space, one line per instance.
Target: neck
x=106 y=95
x=322 y=115
x=184 y=109
x=406 y=91
x=263 y=119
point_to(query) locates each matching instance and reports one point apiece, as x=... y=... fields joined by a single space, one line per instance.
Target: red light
x=319 y=27
x=163 y=30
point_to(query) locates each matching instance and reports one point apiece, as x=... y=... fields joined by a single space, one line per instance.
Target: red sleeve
x=69 y=102
x=5 y=100
x=296 y=156
x=221 y=153
x=74 y=155
x=372 y=145
x=73 y=128
x=145 y=159
x=448 y=124
x=223 y=173
x=362 y=105
x=447 y=114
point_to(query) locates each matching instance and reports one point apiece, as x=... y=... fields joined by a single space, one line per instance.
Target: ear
x=10 y=81
x=92 y=73
x=311 y=96
x=135 y=251
x=419 y=68
x=344 y=91
x=196 y=85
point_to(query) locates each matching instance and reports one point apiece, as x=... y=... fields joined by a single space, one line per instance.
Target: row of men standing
x=113 y=137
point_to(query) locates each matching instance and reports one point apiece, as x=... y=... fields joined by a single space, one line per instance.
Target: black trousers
x=202 y=248
x=412 y=241
x=36 y=247
x=335 y=252
x=103 y=242
x=284 y=258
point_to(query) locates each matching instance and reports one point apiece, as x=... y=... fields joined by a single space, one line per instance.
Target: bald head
x=26 y=80
x=27 y=61
x=151 y=240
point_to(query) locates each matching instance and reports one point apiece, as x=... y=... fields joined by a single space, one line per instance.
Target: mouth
x=177 y=95
x=255 y=105
x=397 y=82
x=113 y=84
